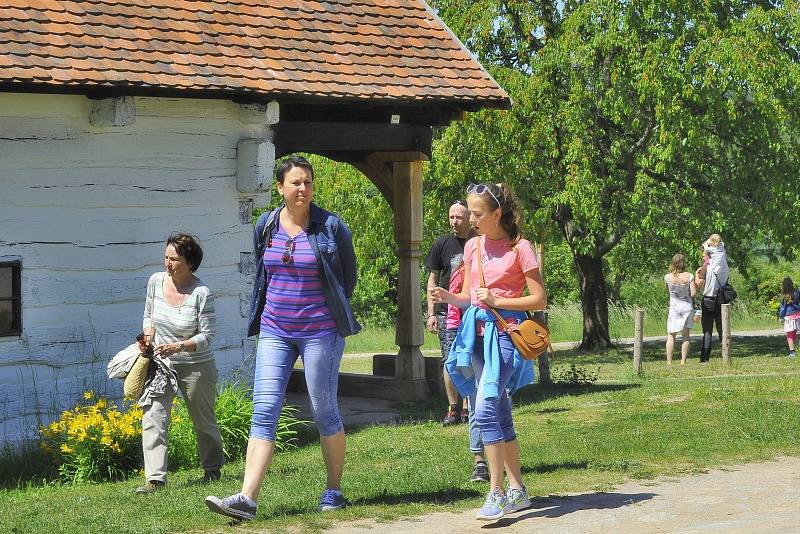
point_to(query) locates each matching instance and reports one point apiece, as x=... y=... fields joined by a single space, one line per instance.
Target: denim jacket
x=332 y=243
x=791 y=307
x=459 y=360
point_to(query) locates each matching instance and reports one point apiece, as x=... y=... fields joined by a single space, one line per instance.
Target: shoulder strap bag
x=530 y=338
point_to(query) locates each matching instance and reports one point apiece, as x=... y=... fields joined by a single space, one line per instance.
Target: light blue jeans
x=493 y=418
x=475 y=440
x=275 y=359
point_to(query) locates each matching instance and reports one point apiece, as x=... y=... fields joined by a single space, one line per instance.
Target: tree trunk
x=594 y=302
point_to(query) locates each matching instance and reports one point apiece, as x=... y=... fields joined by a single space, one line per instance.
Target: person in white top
x=717 y=257
x=711 y=276
x=681 y=289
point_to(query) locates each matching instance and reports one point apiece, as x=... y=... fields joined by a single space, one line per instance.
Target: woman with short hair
x=179 y=320
x=305 y=276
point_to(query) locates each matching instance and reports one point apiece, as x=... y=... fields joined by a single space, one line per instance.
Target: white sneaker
x=517 y=500
x=494 y=507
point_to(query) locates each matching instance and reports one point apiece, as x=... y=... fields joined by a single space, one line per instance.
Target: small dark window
x=10 y=298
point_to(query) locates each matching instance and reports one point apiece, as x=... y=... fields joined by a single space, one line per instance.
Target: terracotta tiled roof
x=391 y=50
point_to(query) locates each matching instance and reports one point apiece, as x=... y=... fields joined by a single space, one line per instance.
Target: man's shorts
x=446 y=337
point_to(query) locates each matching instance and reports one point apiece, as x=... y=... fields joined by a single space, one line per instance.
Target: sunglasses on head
x=480 y=189
x=288 y=252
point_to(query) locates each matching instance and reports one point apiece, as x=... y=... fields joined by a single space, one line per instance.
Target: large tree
x=649 y=122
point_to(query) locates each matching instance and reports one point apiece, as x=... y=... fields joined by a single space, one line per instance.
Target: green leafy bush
x=94 y=442
x=97 y=442
x=762 y=282
x=234 y=408
x=648 y=293
x=573 y=376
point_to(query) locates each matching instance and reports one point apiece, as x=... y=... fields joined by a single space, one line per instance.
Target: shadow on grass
x=539 y=393
x=552 y=410
x=560 y=506
x=549 y=468
x=741 y=347
x=445 y=496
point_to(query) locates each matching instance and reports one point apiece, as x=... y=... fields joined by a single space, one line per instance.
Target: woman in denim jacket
x=305 y=276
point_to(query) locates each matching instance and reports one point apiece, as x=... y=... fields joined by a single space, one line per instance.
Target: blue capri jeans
x=275 y=359
x=493 y=418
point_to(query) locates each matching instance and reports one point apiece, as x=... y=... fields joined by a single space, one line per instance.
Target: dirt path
x=762 y=498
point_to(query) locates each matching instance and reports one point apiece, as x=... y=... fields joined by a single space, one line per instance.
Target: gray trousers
x=198 y=385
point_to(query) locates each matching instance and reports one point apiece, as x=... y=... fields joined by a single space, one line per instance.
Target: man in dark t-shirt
x=439 y=262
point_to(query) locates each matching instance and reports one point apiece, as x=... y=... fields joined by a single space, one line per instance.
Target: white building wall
x=88 y=209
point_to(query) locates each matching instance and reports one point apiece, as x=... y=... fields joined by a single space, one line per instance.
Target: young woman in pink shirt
x=509 y=267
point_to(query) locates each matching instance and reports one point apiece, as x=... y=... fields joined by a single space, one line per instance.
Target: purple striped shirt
x=295 y=304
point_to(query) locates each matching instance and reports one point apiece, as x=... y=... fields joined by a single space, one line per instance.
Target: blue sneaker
x=240 y=507
x=331 y=499
x=517 y=500
x=494 y=507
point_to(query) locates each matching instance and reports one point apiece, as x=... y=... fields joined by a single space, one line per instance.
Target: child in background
x=789 y=312
x=716 y=257
x=480 y=471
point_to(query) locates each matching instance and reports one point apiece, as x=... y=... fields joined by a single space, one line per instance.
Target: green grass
x=566 y=324
x=670 y=421
x=382 y=339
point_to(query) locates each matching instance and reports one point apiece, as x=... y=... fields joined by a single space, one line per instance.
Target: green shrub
x=98 y=442
x=234 y=408
x=94 y=442
x=648 y=293
x=560 y=276
x=573 y=376
x=762 y=282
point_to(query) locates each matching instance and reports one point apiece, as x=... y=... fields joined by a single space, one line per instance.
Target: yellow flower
x=101 y=403
x=177 y=419
x=88 y=395
x=65 y=448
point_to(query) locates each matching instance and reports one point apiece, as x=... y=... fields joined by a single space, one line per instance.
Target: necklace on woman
x=182 y=290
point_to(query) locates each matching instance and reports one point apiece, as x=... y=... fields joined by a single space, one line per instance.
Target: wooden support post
x=410 y=335
x=638 y=340
x=113 y=112
x=544 y=359
x=726 y=335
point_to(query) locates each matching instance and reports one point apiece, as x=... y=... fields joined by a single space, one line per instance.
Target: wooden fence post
x=638 y=340
x=543 y=360
x=726 y=335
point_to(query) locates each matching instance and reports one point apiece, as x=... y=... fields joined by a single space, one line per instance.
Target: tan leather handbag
x=530 y=338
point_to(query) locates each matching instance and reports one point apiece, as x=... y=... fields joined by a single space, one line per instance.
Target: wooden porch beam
x=358 y=138
x=380 y=175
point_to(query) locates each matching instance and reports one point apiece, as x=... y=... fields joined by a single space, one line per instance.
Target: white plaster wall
x=88 y=209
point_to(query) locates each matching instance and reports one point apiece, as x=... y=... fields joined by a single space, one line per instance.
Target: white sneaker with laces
x=517 y=500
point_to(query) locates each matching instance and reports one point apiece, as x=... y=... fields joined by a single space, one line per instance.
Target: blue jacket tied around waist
x=459 y=361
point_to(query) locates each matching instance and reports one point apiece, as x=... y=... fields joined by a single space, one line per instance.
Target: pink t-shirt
x=504 y=266
x=454 y=312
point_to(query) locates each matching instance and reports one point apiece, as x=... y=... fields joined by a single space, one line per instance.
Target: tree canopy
x=637 y=127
